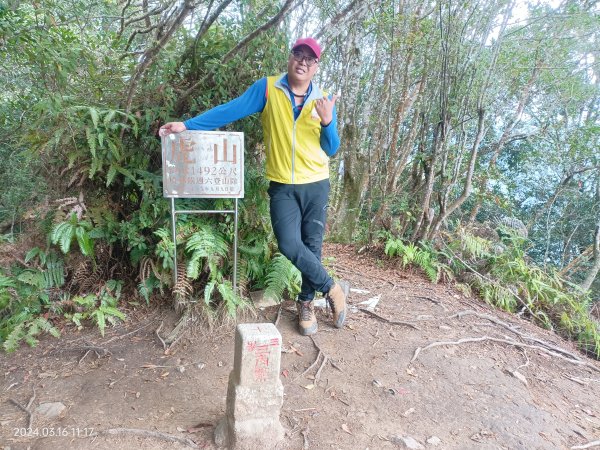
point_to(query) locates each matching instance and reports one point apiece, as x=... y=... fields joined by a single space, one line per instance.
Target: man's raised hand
x=324 y=107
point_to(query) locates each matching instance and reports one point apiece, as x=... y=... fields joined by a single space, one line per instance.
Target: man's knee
x=288 y=248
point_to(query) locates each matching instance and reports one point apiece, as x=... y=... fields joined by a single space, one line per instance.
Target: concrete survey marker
x=255 y=392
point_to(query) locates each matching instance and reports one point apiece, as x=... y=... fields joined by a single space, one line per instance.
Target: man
x=300 y=132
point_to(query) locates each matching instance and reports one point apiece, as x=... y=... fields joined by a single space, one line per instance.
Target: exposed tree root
x=27 y=408
x=162 y=341
x=502 y=341
x=317 y=359
x=115 y=338
x=180 y=328
x=391 y=322
x=278 y=315
x=588 y=445
x=305 y=445
x=147 y=433
x=433 y=300
x=548 y=348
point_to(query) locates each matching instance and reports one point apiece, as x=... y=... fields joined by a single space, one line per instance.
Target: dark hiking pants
x=298 y=216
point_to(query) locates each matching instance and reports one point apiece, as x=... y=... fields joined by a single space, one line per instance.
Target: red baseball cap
x=310 y=43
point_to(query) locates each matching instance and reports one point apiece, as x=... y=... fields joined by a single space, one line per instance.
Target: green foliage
x=165 y=248
x=282 y=276
x=99 y=308
x=28 y=331
x=508 y=280
x=54 y=275
x=25 y=293
x=206 y=246
x=64 y=233
x=413 y=255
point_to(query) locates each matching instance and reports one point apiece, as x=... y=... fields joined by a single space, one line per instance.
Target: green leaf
x=94 y=115
x=108 y=117
x=110 y=176
x=100 y=320
x=91 y=140
x=85 y=243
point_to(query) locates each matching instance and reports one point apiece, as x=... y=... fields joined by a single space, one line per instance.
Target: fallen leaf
x=149 y=366
x=295 y=350
x=309 y=386
x=285 y=373
x=47 y=375
x=408 y=412
x=164 y=375
x=180 y=429
x=346 y=429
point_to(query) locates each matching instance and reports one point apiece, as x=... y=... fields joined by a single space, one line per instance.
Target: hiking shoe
x=307 y=320
x=336 y=299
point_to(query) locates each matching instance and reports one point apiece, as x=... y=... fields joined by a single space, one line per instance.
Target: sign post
x=203 y=164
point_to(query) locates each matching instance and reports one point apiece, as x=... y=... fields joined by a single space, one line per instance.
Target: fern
x=413 y=255
x=28 y=331
x=165 y=248
x=208 y=291
x=208 y=244
x=63 y=234
x=394 y=247
x=99 y=309
x=474 y=246
x=54 y=275
x=12 y=340
x=230 y=299
x=282 y=276
x=147 y=287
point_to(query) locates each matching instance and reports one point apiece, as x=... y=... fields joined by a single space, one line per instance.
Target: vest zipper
x=293 y=148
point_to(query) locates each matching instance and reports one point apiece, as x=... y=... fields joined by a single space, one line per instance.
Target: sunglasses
x=301 y=56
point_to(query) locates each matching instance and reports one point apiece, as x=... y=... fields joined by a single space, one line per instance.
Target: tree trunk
x=593 y=273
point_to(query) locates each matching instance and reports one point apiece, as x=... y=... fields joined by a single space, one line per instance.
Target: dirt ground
x=510 y=389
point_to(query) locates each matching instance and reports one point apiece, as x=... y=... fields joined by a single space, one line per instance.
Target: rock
x=261 y=301
x=434 y=440
x=406 y=442
x=50 y=410
x=320 y=303
x=371 y=303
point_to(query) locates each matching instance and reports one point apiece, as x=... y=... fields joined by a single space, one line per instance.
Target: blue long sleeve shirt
x=253 y=101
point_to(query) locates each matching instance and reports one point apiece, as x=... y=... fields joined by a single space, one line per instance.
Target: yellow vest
x=294 y=153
